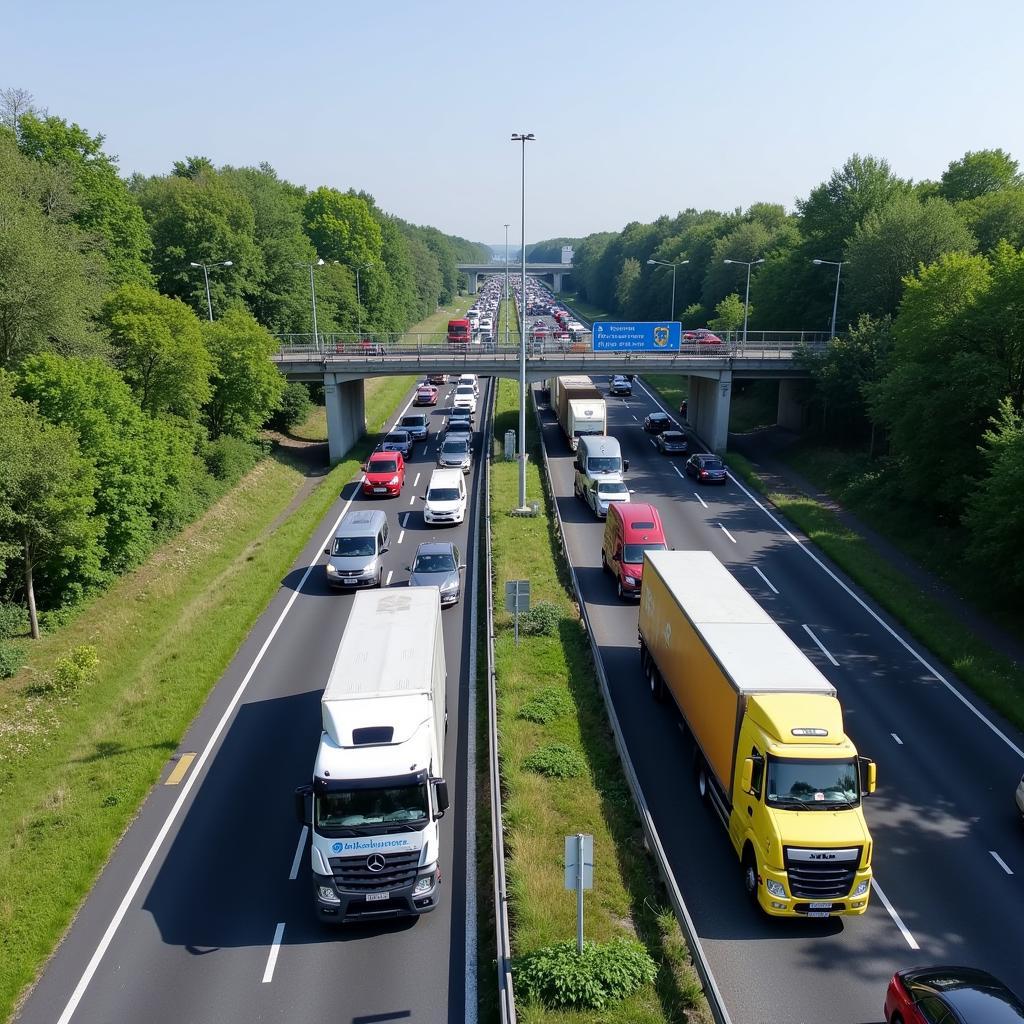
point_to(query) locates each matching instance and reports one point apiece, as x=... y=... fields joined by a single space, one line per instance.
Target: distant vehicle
x=707 y=469
x=629 y=532
x=437 y=378
x=445 y=500
x=608 y=490
x=656 y=422
x=415 y=424
x=384 y=473
x=460 y=332
x=671 y=442
x=426 y=394
x=701 y=336
x=455 y=453
x=437 y=565
x=579 y=406
x=620 y=386
x=952 y=995
x=397 y=441
x=458 y=428
x=464 y=398
x=470 y=379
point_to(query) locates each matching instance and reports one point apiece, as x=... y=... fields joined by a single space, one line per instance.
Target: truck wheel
x=380 y=577
x=654 y=679
x=619 y=590
x=750 y=876
x=604 y=562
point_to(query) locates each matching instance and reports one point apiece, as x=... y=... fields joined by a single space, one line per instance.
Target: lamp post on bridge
x=746 y=301
x=312 y=292
x=523 y=138
x=359 y=301
x=506 y=285
x=839 y=269
x=662 y=263
x=206 y=278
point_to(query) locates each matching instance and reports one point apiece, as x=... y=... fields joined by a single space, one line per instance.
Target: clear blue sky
x=639 y=108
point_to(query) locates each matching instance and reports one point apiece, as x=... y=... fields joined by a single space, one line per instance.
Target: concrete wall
x=707 y=410
x=346 y=414
x=791 y=408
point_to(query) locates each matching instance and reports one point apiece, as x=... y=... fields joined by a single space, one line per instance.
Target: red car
x=384 y=474
x=702 y=336
x=426 y=394
x=953 y=995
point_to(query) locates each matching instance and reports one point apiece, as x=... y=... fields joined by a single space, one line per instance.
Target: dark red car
x=952 y=995
x=701 y=336
x=426 y=394
x=384 y=474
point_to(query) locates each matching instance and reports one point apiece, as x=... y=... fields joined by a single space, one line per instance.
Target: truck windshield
x=818 y=785
x=633 y=554
x=358 y=808
x=604 y=464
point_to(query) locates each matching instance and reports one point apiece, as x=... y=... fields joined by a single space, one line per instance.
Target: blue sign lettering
x=624 y=336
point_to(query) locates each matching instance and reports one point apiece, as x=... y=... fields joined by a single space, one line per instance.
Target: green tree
x=627 y=281
x=158 y=346
x=729 y=314
x=996 y=217
x=106 y=208
x=247 y=387
x=47 y=526
x=341 y=227
x=978 y=174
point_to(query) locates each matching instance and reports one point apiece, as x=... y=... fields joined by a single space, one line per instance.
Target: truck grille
x=813 y=879
x=353 y=874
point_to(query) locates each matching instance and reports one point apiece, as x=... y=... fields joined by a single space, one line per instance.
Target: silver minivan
x=354 y=557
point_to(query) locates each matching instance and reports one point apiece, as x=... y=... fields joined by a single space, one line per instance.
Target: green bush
x=12 y=657
x=546 y=705
x=294 y=408
x=74 y=670
x=541 y=620
x=562 y=979
x=230 y=458
x=557 y=761
x=13 y=621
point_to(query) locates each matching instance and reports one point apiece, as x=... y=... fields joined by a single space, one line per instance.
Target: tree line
x=126 y=409
x=926 y=378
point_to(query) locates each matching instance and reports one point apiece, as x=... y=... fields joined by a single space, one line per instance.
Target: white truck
x=579 y=407
x=378 y=790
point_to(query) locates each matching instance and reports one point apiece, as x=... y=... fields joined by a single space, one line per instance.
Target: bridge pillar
x=346 y=414
x=791 y=408
x=557 y=281
x=707 y=409
x=472 y=277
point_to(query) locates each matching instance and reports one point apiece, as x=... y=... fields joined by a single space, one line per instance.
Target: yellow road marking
x=180 y=769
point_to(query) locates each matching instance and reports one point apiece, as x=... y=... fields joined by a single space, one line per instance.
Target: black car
x=397 y=441
x=415 y=424
x=620 y=386
x=671 y=442
x=953 y=995
x=657 y=422
x=707 y=469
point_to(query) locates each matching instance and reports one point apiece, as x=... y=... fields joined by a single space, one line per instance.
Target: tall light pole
x=359 y=301
x=746 y=301
x=206 y=278
x=662 y=263
x=312 y=292
x=506 y=285
x=524 y=138
x=839 y=270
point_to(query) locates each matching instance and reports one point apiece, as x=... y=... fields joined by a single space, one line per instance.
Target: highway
x=204 y=912
x=948 y=848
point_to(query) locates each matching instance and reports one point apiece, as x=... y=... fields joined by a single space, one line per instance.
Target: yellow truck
x=771 y=756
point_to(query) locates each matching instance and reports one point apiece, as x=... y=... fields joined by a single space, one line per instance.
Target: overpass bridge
x=556 y=271
x=343 y=365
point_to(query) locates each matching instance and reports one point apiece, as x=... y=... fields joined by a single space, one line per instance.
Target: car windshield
x=672 y=437
x=413 y=421
x=633 y=554
x=816 y=784
x=350 y=808
x=353 y=547
x=604 y=464
x=711 y=464
x=443 y=494
x=455 y=448
x=612 y=488
x=437 y=562
x=658 y=417
x=464 y=389
x=397 y=438
x=382 y=466
x=459 y=427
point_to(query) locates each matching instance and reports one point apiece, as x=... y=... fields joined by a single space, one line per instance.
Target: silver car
x=455 y=453
x=437 y=565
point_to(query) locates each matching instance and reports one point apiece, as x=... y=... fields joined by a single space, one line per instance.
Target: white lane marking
x=297 y=859
x=634 y=416
x=1002 y=863
x=911 y=941
x=683 y=477
x=771 y=586
x=416 y=482
x=896 y=738
x=903 y=643
x=147 y=862
x=821 y=646
x=412 y=499
x=653 y=445
x=275 y=948
x=727 y=533
x=695 y=494
x=387 y=582
x=401 y=536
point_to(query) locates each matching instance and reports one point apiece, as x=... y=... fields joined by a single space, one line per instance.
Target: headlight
x=629 y=581
x=327 y=894
x=330 y=569
x=393 y=481
x=861 y=889
x=775 y=888
x=449 y=588
x=423 y=885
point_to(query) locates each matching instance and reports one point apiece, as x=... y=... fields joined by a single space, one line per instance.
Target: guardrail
x=653 y=840
x=506 y=998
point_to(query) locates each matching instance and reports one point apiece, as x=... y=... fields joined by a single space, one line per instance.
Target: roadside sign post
x=517 y=599
x=579 y=875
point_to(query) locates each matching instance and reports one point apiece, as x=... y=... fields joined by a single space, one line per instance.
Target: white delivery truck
x=378 y=789
x=579 y=407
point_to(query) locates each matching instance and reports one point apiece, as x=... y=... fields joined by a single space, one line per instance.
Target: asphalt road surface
x=205 y=911
x=948 y=842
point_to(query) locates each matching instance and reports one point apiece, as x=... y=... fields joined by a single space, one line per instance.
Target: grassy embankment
x=557 y=672
x=75 y=765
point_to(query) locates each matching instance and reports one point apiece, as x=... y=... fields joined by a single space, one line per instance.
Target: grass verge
x=556 y=672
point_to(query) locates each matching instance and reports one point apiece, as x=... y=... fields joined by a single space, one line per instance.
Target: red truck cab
x=459 y=332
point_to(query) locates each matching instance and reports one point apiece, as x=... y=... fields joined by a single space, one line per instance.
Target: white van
x=469 y=378
x=464 y=398
x=445 y=500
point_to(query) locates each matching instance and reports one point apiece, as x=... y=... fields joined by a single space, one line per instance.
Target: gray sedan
x=437 y=565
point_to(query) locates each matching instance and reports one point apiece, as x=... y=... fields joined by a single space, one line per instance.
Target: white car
x=607 y=490
x=445 y=500
x=469 y=378
x=465 y=398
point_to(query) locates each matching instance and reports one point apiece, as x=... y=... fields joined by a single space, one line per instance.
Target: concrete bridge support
x=707 y=410
x=346 y=414
x=791 y=408
x=472 y=277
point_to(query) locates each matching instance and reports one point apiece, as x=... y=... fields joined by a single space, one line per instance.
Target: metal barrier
x=710 y=986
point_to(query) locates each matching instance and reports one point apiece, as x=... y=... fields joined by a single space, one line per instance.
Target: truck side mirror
x=868 y=775
x=304 y=805
x=441 y=800
x=625 y=465
x=747 y=778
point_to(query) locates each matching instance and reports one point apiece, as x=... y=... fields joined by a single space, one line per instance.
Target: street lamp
x=746 y=301
x=506 y=285
x=359 y=301
x=312 y=291
x=524 y=138
x=662 y=263
x=839 y=270
x=206 y=278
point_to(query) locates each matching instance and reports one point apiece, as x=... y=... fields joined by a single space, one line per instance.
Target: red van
x=459 y=332
x=630 y=529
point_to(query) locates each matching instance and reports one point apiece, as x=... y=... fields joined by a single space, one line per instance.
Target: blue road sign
x=630 y=336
